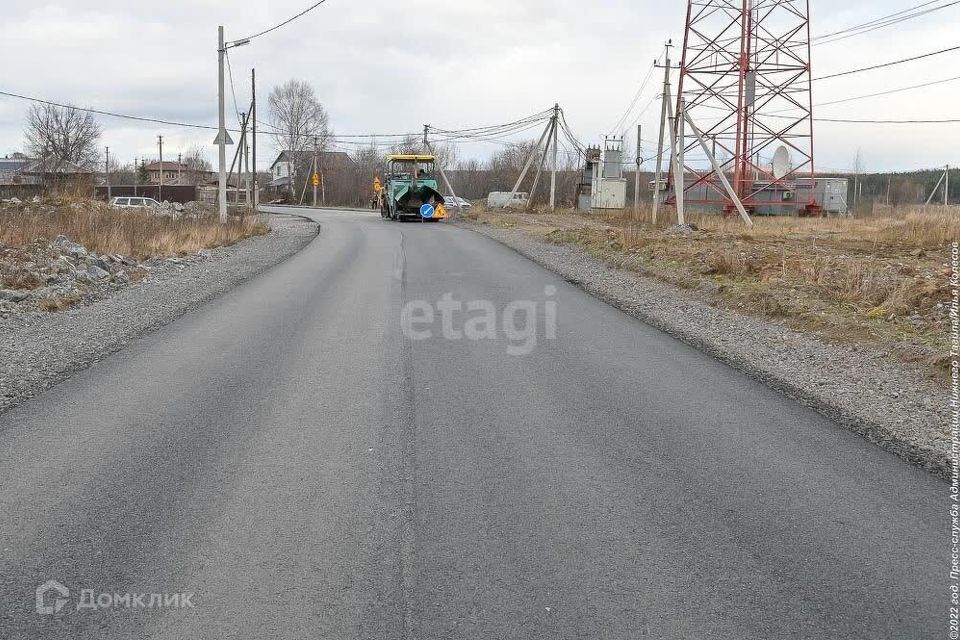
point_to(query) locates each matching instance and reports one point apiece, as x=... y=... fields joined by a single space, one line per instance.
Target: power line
x=885 y=93
x=537 y=117
x=880 y=22
x=174 y=123
x=885 y=24
x=110 y=114
x=636 y=98
x=874 y=95
x=233 y=90
x=946 y=121
x=850 y=121
x=284 y=23
x=887 y=64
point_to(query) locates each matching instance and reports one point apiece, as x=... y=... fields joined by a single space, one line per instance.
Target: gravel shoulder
x=38 y=350
x=886 y=402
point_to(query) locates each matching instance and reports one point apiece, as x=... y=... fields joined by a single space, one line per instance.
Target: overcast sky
x=388 y=66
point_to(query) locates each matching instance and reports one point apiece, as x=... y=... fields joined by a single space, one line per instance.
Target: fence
x=171 y=193
x=20 y=191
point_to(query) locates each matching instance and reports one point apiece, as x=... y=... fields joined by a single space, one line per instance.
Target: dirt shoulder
x=877 y=375
x=40 y=348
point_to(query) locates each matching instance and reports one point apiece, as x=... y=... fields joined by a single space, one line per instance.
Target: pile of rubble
x=17 y=201
x=56 y=275
x=166 y=208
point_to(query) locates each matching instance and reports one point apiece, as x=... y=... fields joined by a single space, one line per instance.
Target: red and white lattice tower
x=745 y=81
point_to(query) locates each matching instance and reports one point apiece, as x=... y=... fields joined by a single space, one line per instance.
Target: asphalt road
x=307 y=467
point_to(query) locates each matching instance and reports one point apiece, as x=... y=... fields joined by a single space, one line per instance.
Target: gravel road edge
x=887 y=403
x=32 y=360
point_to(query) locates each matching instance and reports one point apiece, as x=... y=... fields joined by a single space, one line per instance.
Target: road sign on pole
x=316 y=179
x=376 y=185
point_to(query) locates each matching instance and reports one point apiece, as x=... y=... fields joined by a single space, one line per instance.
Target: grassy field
x=880 y=282
x=127 y=232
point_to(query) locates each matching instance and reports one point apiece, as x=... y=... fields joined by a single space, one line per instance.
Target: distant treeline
x=902 y=188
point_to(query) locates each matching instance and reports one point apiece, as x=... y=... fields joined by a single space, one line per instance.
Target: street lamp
x=222 y=132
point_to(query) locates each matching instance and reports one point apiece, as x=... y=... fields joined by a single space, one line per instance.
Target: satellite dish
x=781 y=162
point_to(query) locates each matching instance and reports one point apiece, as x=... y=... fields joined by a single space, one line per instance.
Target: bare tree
x=63 y=134
x=197 y=167
x=408 y=145
x=300 y=124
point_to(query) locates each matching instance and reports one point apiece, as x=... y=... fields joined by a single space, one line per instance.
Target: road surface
x=307 y=465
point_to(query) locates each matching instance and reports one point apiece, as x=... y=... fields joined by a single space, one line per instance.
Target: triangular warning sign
x=229 y=140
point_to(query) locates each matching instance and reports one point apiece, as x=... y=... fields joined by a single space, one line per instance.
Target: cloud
x=383 y=66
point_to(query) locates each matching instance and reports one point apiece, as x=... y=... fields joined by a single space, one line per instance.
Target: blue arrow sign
x=426 y=211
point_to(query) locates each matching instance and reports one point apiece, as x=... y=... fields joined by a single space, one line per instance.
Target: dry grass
x=59 y=303
x=126 y=232
x=880 y=282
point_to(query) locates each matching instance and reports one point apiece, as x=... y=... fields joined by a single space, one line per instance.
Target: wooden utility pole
x=106 y=173
x=946 y=187
x=253 y=117
x=314 y=170
x=160 y=184
x=658 y=186
x=541 y=165
x=553 y=173
x=636 y=178
x=530 y=158
x=315 y=143
x=244 y=167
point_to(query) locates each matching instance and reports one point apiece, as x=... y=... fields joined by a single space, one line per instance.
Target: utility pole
x=246 y=162
x=553 y=173
x=179 y=167
x=136 y=175
x=160 y=186
x=106 y=173
x=636 y=178
x=314 y=170
x=253 y=115
x=658 y=186
x=946 y=187
x=243 y=159
x=945 y=176
x=530 y=158
x=676 y=158
x=221 y=129
x=541 y=164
